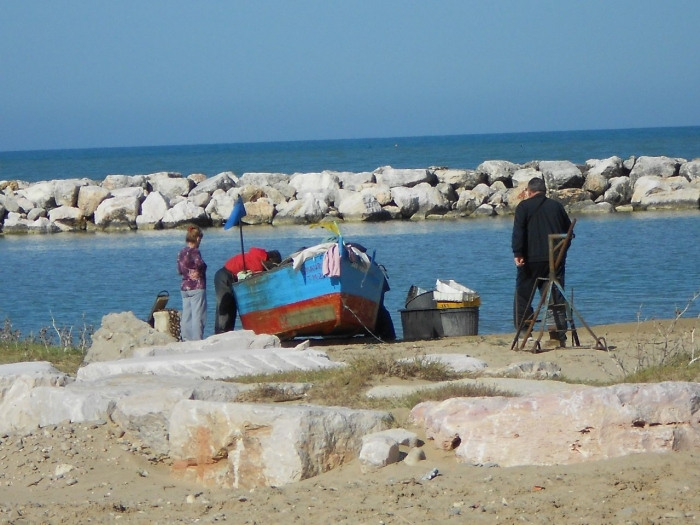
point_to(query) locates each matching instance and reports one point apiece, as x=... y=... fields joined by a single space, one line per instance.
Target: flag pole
x=237 y=213
x=240 y=229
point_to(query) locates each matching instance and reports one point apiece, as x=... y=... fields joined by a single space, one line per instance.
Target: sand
x=90 y=473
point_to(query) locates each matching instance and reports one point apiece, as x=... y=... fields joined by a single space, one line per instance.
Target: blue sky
x=78 y=74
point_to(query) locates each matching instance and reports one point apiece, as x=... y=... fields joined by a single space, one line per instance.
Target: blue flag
x=237 y=213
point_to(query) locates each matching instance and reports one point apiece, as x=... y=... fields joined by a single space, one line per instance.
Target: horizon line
x=404 y=137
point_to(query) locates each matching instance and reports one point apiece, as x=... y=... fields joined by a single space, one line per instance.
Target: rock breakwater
x=495 y=187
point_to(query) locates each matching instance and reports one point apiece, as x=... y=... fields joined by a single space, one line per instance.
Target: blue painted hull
x=290 y=303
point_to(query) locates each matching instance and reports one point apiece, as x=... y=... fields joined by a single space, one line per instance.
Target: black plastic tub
x=433 y=323
x=420 y=324
x=460 y=321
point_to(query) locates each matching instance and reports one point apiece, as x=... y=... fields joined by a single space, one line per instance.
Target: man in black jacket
x=535 y=218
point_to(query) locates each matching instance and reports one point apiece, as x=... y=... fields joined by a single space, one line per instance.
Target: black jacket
x=535 y=219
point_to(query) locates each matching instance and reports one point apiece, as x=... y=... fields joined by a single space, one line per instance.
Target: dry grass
x=346 y=386
x=446 y=392
x=270 y=393
x=670 y=354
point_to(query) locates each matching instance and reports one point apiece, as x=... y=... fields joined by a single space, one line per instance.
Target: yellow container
x=458 y=304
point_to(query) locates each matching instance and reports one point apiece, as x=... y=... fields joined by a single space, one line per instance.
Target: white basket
x=453 y=291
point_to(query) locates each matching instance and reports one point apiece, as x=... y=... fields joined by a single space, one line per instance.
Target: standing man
x=535 y=218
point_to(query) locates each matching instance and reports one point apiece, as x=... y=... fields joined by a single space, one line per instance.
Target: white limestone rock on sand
x=229 y=341
x=566 y=427
x=251 y=445
x=221 y=364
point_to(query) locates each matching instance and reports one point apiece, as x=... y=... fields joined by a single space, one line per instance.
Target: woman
x=193 y=288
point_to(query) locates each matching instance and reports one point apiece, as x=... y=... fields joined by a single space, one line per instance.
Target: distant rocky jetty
x=495 y=187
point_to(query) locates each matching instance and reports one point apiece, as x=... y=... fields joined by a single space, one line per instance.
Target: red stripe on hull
x=336 y=313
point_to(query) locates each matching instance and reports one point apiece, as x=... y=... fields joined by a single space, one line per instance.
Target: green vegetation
x=680 y=367
x=56 y=345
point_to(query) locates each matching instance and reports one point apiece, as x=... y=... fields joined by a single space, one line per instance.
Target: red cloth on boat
x=253 y=261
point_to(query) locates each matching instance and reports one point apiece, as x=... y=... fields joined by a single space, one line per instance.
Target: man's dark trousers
x=226 y=308
x=533 y=275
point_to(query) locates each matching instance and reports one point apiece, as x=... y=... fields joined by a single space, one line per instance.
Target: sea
x=622 y=267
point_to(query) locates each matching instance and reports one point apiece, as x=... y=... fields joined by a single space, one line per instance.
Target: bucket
x=421 y=324
x=460 y=321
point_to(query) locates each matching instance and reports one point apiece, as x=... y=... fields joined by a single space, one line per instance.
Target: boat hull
x=305 y=302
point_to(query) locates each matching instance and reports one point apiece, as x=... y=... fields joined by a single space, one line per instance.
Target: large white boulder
x=120 y=334
x=523 y=176
x=496 y=170
x=17 y=381
x=361 y=206
x=261 y=211
x=430 y=201
x=41 y=194
x=214 y=364
x=117 y=213
x=468 y=202
x=406 y=200
x=115 y=182
x=10 y=203
x=607 y=168
x=690 y=170
x=458 y=178
x=309 y=210
x=132 y=191
x=559 y=174
x=153 y=210
x=619 y=192
x=322 y=186
x=681 y=199
x=663 y=167
x=145 y=413
x=170 y=186
x=67 y=218
x=251 y=445
x=653 y=192
x=66 y=191
x=403 y=177
x=15 y=223
x=381 y=192
x=566 y=427
x=220 y=206
x=238 y=340
x=223 y=181
x=90 y=197
x=354 y=181
x=263 y=179
x=185 y=212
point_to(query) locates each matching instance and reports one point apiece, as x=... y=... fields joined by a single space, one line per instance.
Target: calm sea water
x=464 y=151
x=620 y=266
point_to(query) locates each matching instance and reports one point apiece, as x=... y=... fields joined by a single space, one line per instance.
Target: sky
x=98 y=73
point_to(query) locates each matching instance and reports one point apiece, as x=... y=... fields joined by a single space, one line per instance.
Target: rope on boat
x=370 y=332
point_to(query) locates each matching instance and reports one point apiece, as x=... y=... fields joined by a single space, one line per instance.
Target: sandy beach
x=90 y=473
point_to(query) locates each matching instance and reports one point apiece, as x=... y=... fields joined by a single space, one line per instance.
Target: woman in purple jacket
x=193 y=288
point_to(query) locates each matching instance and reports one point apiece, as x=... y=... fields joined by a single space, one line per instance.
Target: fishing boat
x=328 y=289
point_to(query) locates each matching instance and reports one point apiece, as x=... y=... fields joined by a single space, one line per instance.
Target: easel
x=557 y=249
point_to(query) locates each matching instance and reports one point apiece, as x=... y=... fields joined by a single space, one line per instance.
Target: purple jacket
x=189 y=260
